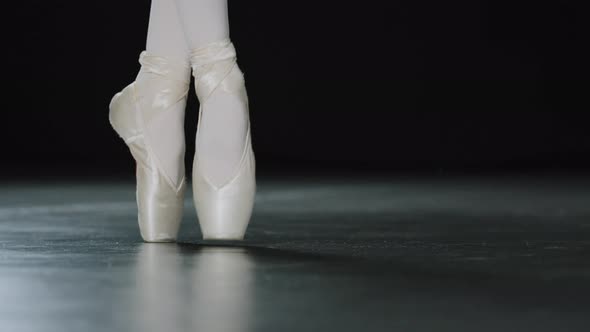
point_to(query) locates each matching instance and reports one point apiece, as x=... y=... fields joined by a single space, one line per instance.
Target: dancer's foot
x=149 y=115
x=223 y=174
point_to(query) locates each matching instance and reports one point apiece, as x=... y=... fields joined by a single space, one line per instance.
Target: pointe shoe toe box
x=224 y=212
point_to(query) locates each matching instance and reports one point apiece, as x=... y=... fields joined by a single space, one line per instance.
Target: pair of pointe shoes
x=156 y=102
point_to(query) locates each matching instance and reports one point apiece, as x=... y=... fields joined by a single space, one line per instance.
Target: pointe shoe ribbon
x=155 y=101
x=224 y=210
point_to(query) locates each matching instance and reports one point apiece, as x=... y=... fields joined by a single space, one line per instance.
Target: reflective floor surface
x=495 y=253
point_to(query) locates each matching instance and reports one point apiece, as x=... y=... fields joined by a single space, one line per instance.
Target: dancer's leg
x=149 y=115
x=203 y=21
x=165 y=36
x=222 y=131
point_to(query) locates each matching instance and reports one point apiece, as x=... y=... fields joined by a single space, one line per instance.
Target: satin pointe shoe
x=154 y=104
x=223 y=210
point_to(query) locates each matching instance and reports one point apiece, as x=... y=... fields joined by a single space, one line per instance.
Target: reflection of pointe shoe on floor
x=224 y=207
x=149 y=116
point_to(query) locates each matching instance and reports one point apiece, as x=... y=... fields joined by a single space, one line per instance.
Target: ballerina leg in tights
x=184 y=37
x=224 y=166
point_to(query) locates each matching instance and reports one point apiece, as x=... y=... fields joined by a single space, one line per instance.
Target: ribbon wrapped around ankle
x=210 y=65
x=216 y=51
x=171 y=69
x=166 y=81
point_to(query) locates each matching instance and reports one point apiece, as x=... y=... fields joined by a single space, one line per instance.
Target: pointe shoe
x=155 y=101
x=223 y=211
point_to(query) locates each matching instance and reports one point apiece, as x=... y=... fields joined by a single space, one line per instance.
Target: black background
x=412 y=85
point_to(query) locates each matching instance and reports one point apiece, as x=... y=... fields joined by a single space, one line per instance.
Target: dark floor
x=493 y=253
